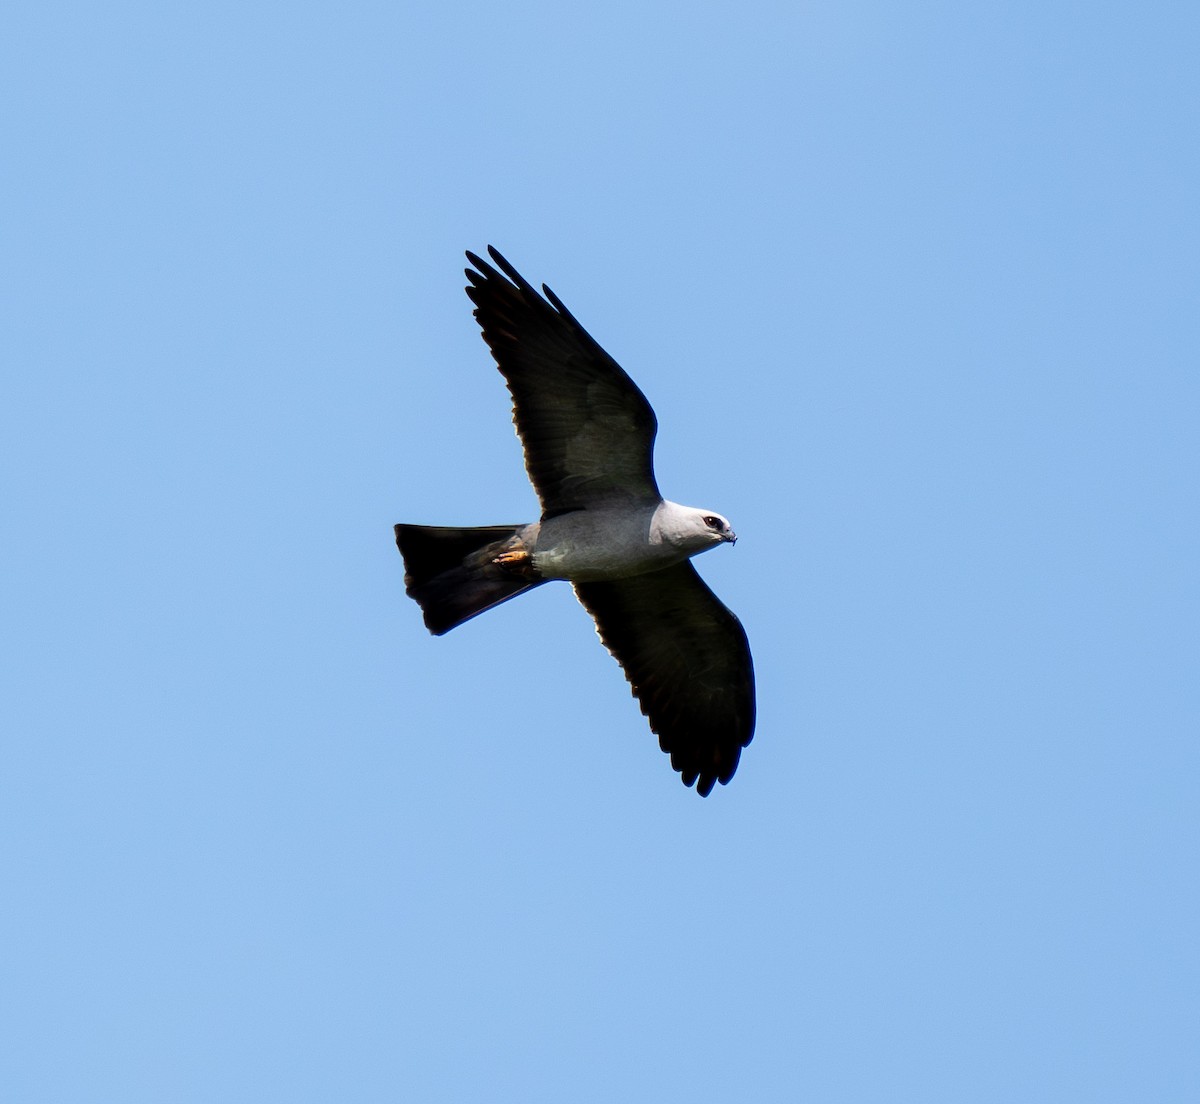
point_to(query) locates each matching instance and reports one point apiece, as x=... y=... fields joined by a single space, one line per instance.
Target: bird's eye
x=713 y=523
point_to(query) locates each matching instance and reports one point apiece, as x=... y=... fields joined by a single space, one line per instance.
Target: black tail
x=455 y=574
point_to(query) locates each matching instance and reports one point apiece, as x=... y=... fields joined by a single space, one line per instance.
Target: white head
x=691 y=530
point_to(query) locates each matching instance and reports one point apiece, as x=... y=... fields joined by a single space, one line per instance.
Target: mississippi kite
x=588 y=436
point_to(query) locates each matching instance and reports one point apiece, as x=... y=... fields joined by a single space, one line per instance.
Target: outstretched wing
x=587 y=431
x=688 y=661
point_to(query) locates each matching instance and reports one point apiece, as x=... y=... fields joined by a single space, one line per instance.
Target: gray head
x=692 y=530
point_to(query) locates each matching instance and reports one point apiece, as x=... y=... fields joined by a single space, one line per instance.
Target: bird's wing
x=587 y=431
x=688 y=661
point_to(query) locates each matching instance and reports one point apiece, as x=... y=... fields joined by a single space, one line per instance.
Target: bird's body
x=613 y=543
x=588 y=435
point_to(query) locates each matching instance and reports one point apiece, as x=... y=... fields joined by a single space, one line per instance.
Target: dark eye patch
x=713 y=523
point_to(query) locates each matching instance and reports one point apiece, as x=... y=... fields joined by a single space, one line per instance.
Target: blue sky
x=914 y=290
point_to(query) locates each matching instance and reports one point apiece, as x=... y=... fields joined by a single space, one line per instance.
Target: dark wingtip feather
x=500 y=259
x=485 y=273
x=524 y=285
x=558 y=305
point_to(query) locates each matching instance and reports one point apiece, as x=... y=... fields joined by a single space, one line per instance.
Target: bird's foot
x=518 y=561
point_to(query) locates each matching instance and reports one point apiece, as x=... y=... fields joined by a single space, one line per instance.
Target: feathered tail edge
x=455 y=574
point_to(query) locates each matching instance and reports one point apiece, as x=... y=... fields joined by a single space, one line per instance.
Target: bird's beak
x=732 y=537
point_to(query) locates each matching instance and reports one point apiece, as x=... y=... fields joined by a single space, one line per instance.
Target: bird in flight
x=588 y=436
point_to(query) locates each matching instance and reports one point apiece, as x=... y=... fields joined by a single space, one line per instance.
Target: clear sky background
x=915 y=291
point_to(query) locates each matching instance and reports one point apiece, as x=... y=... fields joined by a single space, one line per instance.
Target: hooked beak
x=731 y=536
